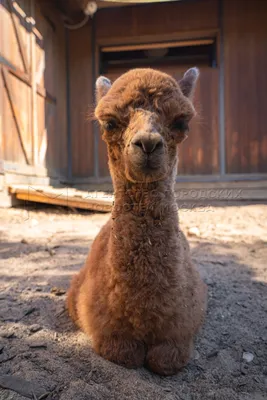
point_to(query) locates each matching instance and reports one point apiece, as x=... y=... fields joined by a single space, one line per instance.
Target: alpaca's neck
x=155 y=199
x=144 y=230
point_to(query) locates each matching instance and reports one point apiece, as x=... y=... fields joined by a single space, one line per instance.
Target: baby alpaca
x=139 y=296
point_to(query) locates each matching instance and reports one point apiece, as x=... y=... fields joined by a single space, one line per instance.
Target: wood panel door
x=28 y=56
x=199 y=154
x=15 y=78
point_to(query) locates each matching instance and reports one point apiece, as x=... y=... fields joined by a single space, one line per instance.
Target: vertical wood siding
x=33 y=83
x=245 y=37
x=81 y=102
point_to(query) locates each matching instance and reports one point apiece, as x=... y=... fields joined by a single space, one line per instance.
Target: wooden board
x=245 y=37
x=67 y=197
x=156 y=20
x=81 y=101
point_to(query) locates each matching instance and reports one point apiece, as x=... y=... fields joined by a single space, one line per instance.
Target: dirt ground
x=43 y=356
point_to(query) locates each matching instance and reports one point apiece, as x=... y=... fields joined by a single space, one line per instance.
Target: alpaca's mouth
x=147 y=171
x=151 y=164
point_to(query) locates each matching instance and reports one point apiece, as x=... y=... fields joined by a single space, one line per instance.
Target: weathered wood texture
x=51 y=75
x=81 y=101
x=33 y=85
x=156 y=20
x=15 y=47
x=68 y=197
x=245 y=38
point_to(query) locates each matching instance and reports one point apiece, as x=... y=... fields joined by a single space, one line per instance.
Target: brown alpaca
x=139 y=296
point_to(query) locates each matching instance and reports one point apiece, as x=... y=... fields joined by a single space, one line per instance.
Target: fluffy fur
x=138 y=296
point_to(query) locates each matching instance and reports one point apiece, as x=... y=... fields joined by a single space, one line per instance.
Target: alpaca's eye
x=180 y=125
x=110 y=125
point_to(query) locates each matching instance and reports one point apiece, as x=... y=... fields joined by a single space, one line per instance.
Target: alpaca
x=138 y=296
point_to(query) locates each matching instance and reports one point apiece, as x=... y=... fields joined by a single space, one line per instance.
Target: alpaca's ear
x=102 y=85
x=188 y=82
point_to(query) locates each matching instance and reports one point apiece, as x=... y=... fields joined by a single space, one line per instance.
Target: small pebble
x=196 y=355
x=38 y=345
x=35 y=328
x=194 y=231
x=24 y=241
x=212 y=354
x=248 y=357
x=57 y=291
x=8 y=335
x=51 y=252
x=244 y=369
x=34 y=222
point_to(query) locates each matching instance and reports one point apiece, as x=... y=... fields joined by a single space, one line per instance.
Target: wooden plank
x=52 y=86
x=15 y=113
x=14 y=70
x=81 y=101
x=164 y=19
x=149 y=46
x=21 y=45
x=65 y=197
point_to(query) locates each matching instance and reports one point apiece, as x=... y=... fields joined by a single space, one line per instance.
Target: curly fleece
x=139 y=296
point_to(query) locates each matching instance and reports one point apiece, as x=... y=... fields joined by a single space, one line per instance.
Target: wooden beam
x=64 y=197
x=15 y=112
x=14 y=70
x=22 y=47
x=150 y=46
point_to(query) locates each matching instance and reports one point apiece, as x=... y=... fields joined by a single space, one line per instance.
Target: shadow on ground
x=39 y=343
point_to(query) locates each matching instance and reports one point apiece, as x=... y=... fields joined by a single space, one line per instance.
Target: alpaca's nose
x=148 y=143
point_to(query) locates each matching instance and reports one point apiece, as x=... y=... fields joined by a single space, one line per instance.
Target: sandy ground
x=41 y=249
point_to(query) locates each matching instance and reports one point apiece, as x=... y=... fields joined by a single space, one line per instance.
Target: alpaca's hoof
x=126 y=352
x=167 y=358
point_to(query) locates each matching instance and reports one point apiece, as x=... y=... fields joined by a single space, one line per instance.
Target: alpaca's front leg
x=168 y=357
x=127 y=352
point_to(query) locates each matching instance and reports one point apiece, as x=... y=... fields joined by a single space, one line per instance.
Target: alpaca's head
x=144 y=114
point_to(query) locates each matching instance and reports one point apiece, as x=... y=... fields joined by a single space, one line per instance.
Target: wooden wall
x=81 y=101
x=33 y=118
x=32 y=87
x=156 y=20
x=53 y=46
x=245 y=39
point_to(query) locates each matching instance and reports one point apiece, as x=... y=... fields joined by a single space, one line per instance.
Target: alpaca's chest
x=147 y=287
x=145 y=275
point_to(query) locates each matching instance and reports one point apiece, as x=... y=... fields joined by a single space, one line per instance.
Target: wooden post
x=34 y=89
